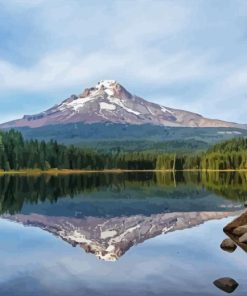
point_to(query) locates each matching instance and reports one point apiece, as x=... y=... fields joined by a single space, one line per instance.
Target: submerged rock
x=226 y=284
x=243 y=238
x=228 y=245
x=239 y=231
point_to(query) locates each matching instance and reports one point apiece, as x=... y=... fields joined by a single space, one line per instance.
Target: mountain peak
x=106 y=83
x=107 y=86
x=109 y=101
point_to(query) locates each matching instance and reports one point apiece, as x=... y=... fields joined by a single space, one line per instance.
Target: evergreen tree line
x=17 y=153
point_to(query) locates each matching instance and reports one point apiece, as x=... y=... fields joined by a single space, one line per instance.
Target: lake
x=119 y=234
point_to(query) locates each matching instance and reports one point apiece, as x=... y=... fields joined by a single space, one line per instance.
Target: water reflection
x=106 y=214
x=110 y=238
x=177 y=264
x=150 y=189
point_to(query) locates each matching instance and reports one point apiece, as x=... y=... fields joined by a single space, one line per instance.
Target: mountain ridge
x=109 y=101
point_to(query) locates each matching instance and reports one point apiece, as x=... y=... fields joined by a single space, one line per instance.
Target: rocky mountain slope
x=108 y=101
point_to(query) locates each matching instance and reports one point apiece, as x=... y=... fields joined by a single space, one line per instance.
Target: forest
x=19 y=154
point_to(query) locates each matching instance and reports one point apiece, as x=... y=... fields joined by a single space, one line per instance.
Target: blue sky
x=187 y=54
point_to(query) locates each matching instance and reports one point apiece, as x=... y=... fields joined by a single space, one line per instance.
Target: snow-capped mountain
x=108 y=101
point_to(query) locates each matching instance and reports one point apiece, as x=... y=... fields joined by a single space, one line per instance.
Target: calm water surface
x=119 y=234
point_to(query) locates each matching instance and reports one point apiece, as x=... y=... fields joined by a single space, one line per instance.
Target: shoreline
x=37 y=172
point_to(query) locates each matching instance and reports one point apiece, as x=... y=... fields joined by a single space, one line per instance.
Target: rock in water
x=240 y=230
x=245 y=204
x=243 y=238
x=227 y=285
x=228 y=245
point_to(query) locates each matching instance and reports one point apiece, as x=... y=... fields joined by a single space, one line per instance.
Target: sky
x=187 y=54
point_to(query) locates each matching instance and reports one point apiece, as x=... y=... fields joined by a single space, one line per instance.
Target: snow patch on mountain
x=106 y=106
x=118 y=102
x=165 y=110
x=78 y=104
x=109 y=92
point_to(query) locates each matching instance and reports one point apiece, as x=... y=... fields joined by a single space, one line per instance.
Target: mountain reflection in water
x=106 y=214
x=110 y=238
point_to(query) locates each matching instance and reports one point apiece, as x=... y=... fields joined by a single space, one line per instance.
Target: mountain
x=109 y=102
x=111 y=238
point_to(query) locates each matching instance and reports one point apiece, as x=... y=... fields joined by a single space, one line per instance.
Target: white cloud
x=236 y=81
x=65 y=69
x=106 y=39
